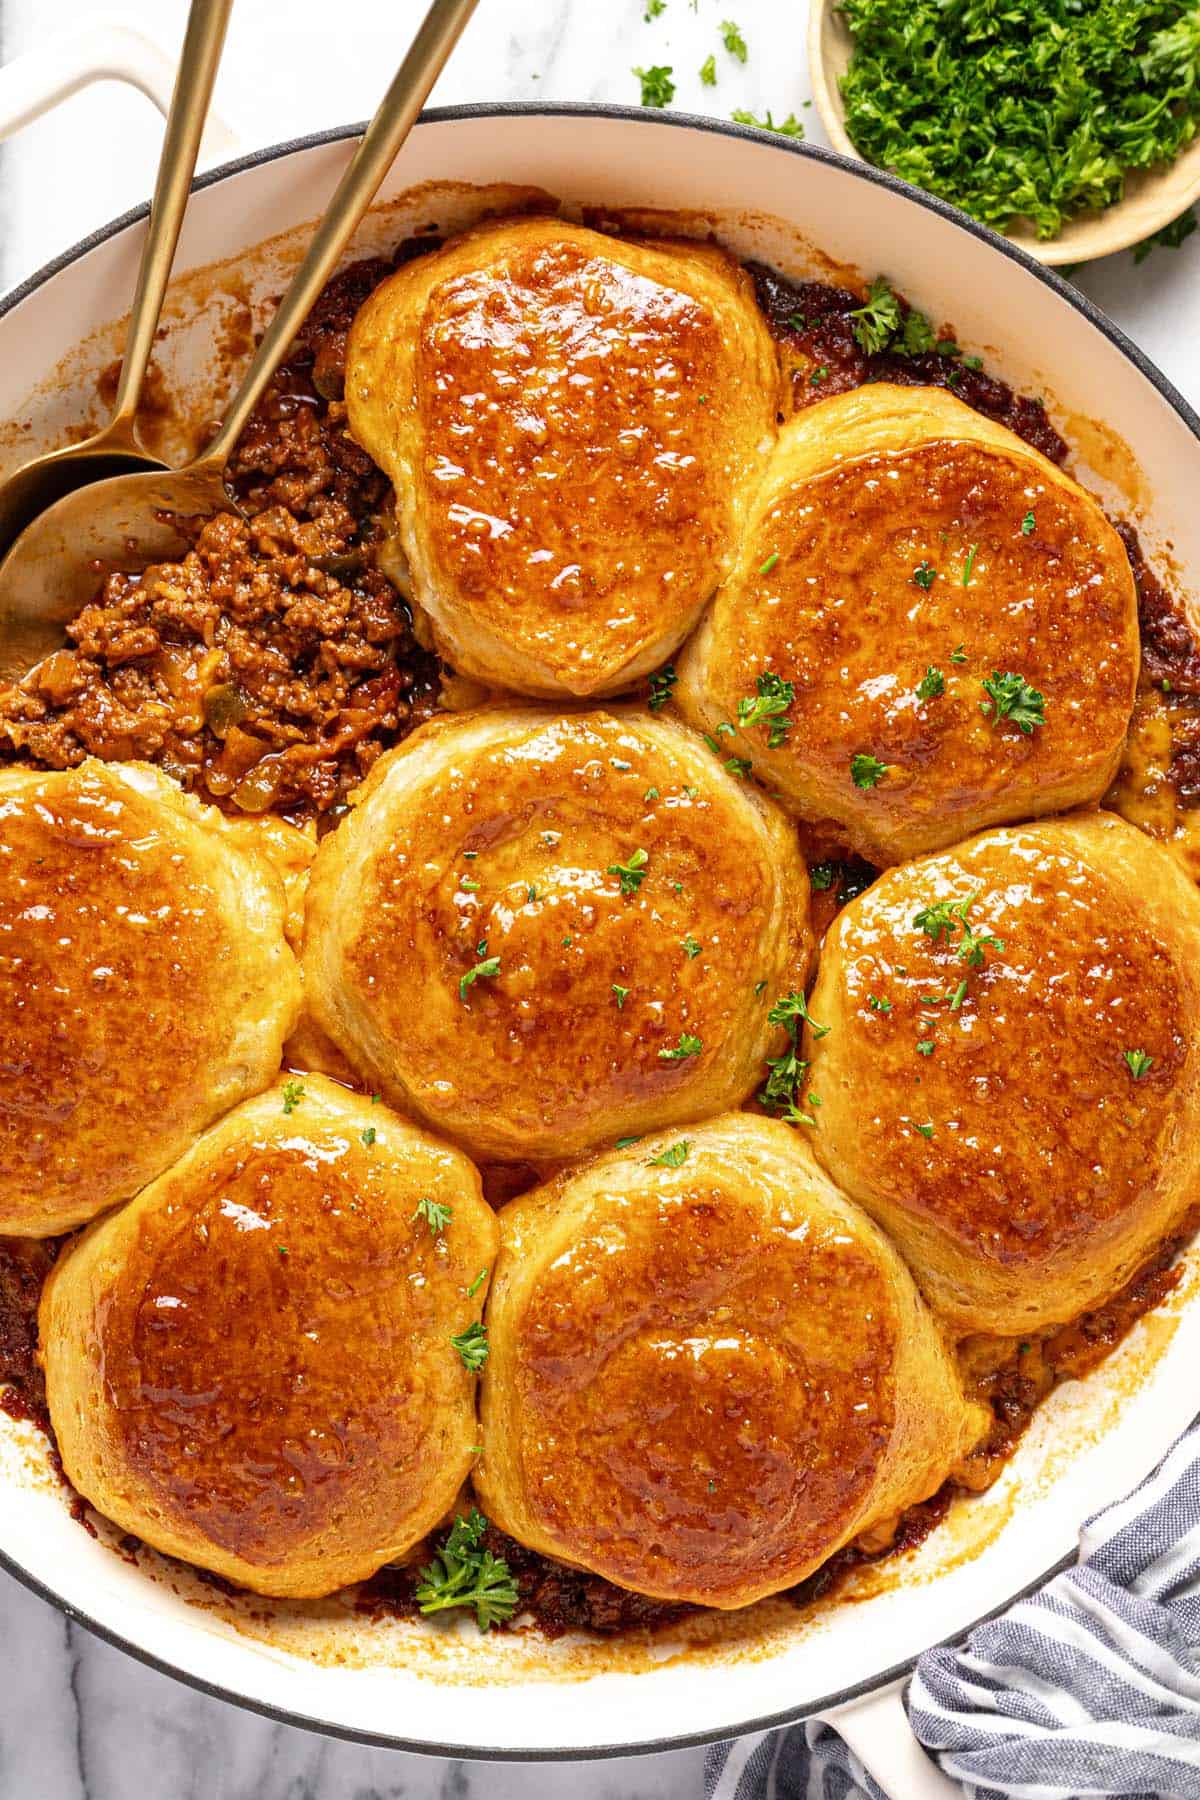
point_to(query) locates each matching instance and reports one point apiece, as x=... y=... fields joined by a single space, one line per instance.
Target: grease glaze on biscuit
x=572 y=423
x=902 y=550
x=145 y=985
x=999 y=1119
x=540 y=933
x=705 y=1379
x=250 y=1366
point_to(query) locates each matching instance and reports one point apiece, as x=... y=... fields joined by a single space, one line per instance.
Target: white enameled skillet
x=323 y=1665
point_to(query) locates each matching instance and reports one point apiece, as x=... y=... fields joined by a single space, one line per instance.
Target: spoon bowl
x=1152 y=197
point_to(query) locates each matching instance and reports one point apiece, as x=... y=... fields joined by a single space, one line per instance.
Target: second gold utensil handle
x=398 y=110
x=198 y=62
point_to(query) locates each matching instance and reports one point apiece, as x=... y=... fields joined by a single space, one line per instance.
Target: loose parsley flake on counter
x=789 y=127
x=472 y=1346
x=773 y=698
x=931 y=685
x=672 y=1158
x=1139 y=1063
x=733 y=40
x=867 y=771
x=631 y=874
x=924 y=575
x=687 y=1046
x=653 y=10
x=463 y=1573
x=657 y=87
x=708 y=71
x=435 y=1215
x=1168 y=237
x=485 y=970
x=293 y=1094
x=1012 y=697
x=662 y=686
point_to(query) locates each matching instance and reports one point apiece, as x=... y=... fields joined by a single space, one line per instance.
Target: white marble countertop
x=78 y=1720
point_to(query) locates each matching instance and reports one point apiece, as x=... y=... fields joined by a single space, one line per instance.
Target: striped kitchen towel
x=1090 y=1687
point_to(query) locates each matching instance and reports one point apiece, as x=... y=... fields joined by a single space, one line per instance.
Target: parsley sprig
x=786 y=1073
x=769 y=704
x=945 y=917
x=1011 y=697
x=463 y=1573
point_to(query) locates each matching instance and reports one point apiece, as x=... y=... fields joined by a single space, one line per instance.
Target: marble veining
x=78 y=1719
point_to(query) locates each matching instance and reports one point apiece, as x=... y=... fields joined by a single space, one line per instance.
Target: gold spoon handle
x=192 y=92
x=398 y=110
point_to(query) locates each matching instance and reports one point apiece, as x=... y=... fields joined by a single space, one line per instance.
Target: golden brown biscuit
x=251 y=1365
x=572 y=424
x=1012 y=1088
x=708 y=1370
x=908 y=565
x=145 y=985
x=542 y=932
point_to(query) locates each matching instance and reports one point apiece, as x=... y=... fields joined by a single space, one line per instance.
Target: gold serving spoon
x=128 y=520
x=117 y=449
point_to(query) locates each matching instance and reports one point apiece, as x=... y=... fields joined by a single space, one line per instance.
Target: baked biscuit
x=1008 y=1071
x=708 y=1370
x=572 y=424
x=541 y=932
x=145 y=985
x=944 y=624
x=251 y=1365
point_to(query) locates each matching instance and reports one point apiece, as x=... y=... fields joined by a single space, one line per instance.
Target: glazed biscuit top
x=957 y=620
x=595 y=916
x=569 y=420
x=1018 y=1036
x=273 y=1336
x=145 y=984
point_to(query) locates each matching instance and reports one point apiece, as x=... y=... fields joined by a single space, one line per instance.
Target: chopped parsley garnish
x=1028 y=525
x=818 y=375
x=485 y=970
x=925 y=1046
x=708 y=71
x=653 y=9
x=885 y=322
x=926 y=1131
x=690 y=947
x=662 y=686
x=786 y=1073
x=1139 y=1063
x=1023 y=111
x=624 y=1143
x=960 y=992
x=657 y=87
x=958 y=654
x=738 y=765
x=969 y=565
x=368 y=1136
x=1011 y=697
x=463 y=1573
x=931 y=685
x=822 y=875
x=631 y=874
x=948 y=916
x=878 y=1005
x=687 y=1046
x=733 y=40
x=435 y=1215
x=766 y=567
x=293 y=1094
x=620 y=994
x=530 y=894
x=770 y=703
x=472 y=1346
x=477 y=1284
x=789 y=127
x=650 y=794
x=924 y=575
x=672 y=1158
x=867 y=771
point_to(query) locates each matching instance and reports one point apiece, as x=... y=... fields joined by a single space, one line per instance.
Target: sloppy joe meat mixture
x=269 y=668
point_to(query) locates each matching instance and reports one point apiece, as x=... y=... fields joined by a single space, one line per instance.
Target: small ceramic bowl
x=1151 y=200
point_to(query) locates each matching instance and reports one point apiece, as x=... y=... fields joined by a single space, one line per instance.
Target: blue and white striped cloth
x=1090 y=1687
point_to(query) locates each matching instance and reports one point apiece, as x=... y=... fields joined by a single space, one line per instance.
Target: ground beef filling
x=271 y=666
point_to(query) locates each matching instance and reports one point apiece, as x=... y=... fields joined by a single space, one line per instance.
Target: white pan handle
x=106 y=50
x=876 y=1728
